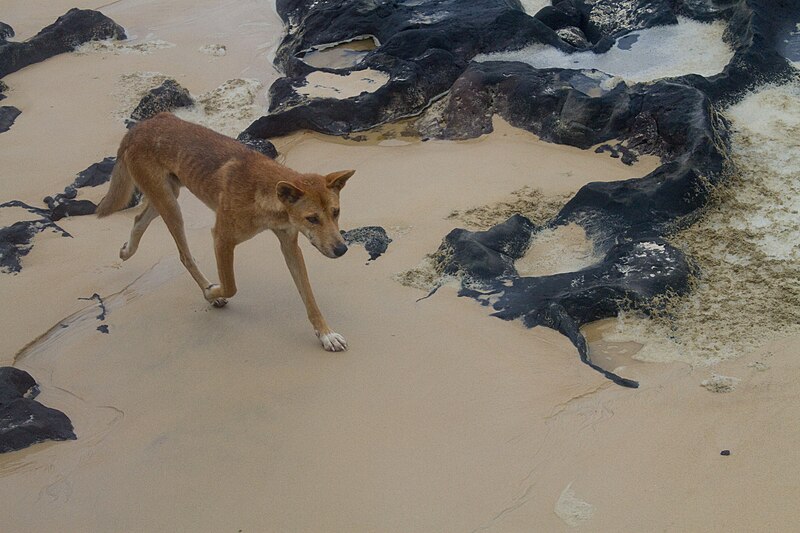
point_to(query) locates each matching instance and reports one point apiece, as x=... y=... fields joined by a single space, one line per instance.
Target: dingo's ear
x=336 y=180
x=288 y=193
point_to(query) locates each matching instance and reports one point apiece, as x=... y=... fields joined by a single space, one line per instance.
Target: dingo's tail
x=119 y=192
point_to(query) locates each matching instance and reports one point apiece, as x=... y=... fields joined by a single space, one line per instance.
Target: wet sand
x=438 y=418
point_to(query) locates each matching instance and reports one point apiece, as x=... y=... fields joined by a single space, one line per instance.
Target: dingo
x=248 y=191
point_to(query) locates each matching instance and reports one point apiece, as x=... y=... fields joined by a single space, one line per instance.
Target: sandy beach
x=438 y=417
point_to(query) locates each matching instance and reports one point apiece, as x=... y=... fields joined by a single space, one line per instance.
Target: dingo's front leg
x=331 y=341
x=223 y=249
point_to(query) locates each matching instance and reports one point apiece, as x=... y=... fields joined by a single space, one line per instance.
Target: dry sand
x=438 y=418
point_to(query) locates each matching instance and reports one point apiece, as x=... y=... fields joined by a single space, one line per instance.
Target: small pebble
x=725 y=452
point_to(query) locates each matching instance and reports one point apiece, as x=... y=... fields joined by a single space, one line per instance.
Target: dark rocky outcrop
x=427 y=55
x=757 y=31
x=425 y=45
x=373 y=238
x=6 y=31
x=166 y=97
x=24 y=421
x=8 y=114
x=70 y=30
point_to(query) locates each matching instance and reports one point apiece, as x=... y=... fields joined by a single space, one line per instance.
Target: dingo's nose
x=340 y=250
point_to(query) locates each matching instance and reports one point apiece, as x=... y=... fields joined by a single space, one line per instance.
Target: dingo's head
x=312 y=204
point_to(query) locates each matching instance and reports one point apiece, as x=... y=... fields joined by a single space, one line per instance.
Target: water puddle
x=556 y=250
x=340 y=56
x=607 y=351
x=689 y=47
x=327 y=85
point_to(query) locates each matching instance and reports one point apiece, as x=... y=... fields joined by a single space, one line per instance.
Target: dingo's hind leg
x=165 y=200
x=140 y=224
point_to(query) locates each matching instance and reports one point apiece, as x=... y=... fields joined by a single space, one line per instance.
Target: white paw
x=210 y=294
x=332 y=342
x=125 y=252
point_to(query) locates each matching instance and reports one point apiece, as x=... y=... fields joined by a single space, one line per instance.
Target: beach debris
x=719 y=383
x=571 y=509
x=725 y=452
x=23 y=420
x=373 y=238
x=216 y=50
x=70 y=30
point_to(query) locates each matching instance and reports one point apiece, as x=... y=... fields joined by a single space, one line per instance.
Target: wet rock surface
x=8 y=114
x=75 y=27
x=166 y=97
x=427 y=46
x=373 y=238
x=23 y=420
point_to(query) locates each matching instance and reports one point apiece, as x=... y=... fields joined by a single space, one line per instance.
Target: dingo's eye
x=313 y=219
x=335 y=213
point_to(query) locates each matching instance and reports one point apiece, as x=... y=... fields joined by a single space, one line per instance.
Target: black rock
x=6 y=31
x=15 y=241
x=70 y=30
x=15 y=383
x=166 y=97
x=563 y=15
x=611 y=18
x=259 y=145
x=574 y=36
x=424 y=48
x=484 y=255
x=725 y=452
x=8 y=114
x=373 y=238
x=72 y=208
x=24 y=421
x=757 y=31
x=95 y=174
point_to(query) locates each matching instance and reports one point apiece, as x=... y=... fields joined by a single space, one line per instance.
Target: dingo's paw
x=332 y=341
x=211 y=294
x=125 y=252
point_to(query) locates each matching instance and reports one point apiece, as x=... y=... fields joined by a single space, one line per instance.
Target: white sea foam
x=688 y=47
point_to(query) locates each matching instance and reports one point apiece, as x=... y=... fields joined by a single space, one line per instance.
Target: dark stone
x=574 y=36
x=725 y=452
x=424 y=48
x=563 y=15
x=8 y=114
x=95 y=174
x=70 y=30
x=373 y=238
x=487 y=254
x=166 y=97
x=757 y=30
x=72 y=208
x=24 y=421
x=15 y=240
x=15 y=383
x=259 y=145
x=612 y=18
x=6 y=31
x=632 y=273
